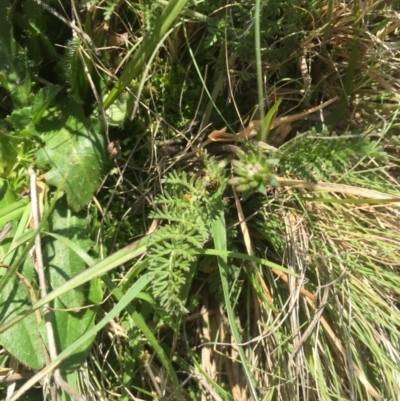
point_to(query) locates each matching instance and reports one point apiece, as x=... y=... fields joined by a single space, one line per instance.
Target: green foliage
x=47 y=120
x=65 y=62
x=281 y=25
x=109 y=9
x=81 y=89
x=175 y=93
x=75 y=67
x=71 y=325
x=324 y=156
x=252 y=171
x=33 y=116
x=14 y=74
x=36 y=37
x=189 y=204
x=74 y=151
x=62 y=262
x=42 y=101
x=16 y=144
x=24 y=340
x=146 y=48
x=8 y=153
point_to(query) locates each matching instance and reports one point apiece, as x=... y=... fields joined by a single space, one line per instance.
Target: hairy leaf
x=8 y=153
x=23 y=339
x=61 y=261
x=74 y=151
x=70 y=326
x=42 y=101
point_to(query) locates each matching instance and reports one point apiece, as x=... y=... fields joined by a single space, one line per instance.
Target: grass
x=286 y=288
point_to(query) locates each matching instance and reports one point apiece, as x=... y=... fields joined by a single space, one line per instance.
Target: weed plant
x=203 y=237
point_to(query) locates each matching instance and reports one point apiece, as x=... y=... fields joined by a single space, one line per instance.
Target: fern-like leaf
x=321 y=156
x=186 y=208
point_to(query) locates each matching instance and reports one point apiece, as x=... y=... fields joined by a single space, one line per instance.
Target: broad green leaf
x=61 y=265
x=7 y=197
x=21 y=244
x=14 y=75
x=61 y=261
x=23 y=339
x=42 y=100
x=79 y=82
x=10 y=249
x=70 y=326
x=74 y=152
x=8 y=153
x=20 y=118
x=116 y=112
x=99 y=269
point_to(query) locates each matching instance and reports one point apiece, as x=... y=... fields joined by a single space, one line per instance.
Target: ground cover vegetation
x=199 y=200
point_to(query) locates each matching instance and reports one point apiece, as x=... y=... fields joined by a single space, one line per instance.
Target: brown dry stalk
x=338 y=188
x=252 y=129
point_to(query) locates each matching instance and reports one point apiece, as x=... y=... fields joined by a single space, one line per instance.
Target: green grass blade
x=141 y=324
x=12 y=212
x=146 y=48
x=97 y=270
x=220 y=243
x=243 y=256
x=260 y=75
x=121 y=305
x=267 y=120
x=135 y=315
